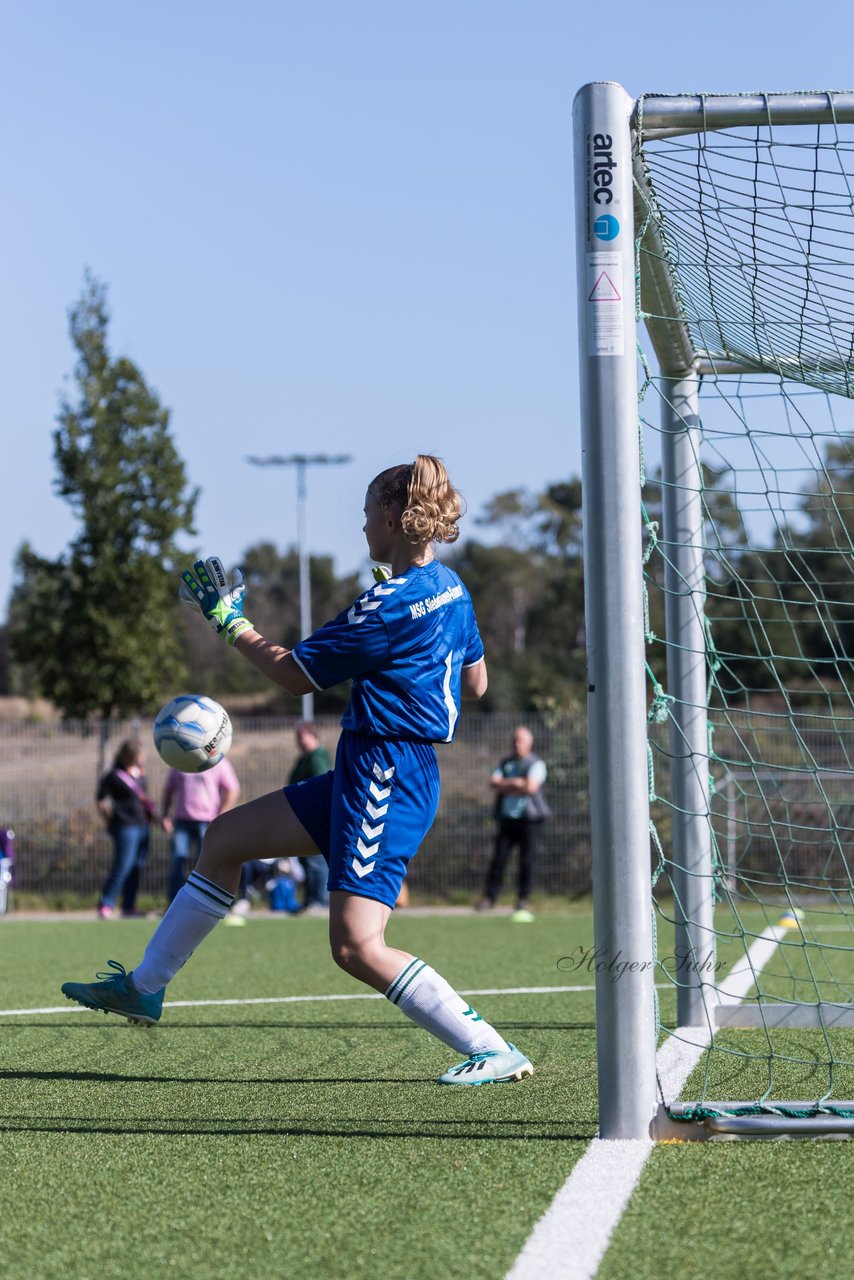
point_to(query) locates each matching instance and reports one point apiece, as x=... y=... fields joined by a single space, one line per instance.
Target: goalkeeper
x=412 y=649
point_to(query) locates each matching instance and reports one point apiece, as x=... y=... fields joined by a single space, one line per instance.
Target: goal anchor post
x=685 y=587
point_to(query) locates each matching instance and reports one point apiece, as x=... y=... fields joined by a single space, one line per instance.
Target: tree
x=272 y=602
x=528 y=592
x=5 y=674
x=97 y=629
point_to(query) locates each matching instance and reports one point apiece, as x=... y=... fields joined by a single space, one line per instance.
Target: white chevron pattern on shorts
x=372 y=834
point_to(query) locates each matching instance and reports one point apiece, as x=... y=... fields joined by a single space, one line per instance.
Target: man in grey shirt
x=520 y=809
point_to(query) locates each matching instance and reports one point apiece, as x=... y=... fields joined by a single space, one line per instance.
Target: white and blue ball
x=192 y=733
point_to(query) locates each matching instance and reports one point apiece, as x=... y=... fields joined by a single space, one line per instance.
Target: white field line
x=571 y=1238
x=809 y=929
x=70 y=1007
x=682 y=1050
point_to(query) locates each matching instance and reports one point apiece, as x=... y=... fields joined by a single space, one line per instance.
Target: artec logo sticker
x=606 y=227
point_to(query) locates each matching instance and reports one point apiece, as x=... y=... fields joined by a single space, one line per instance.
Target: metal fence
x=49 y=772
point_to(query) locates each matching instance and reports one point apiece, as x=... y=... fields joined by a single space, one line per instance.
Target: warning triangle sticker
x=604 y=290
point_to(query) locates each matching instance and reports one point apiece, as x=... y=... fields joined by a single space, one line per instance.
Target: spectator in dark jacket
x=127 y=810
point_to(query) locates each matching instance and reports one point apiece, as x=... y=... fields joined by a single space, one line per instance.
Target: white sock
x=425 y=997
x=195 y=910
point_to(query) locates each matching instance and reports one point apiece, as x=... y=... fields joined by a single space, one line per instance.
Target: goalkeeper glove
x=381 y=573
x=205 y=587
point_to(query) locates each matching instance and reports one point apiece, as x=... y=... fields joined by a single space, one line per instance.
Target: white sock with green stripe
x=425 y=997
x=195 y=910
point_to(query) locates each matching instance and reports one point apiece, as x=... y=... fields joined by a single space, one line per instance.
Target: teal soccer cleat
x=494 y=1067
x=115 y=993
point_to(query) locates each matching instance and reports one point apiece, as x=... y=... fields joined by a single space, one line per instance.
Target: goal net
x=745 y=259
x=716 y=305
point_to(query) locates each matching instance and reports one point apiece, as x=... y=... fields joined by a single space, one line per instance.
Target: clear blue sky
x=332 y=225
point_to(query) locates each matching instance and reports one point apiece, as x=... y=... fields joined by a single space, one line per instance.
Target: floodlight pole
x=302 y=461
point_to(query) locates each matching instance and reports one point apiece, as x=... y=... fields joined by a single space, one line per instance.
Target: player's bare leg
x=357 y=934
x=357 y=937
x=265 y=828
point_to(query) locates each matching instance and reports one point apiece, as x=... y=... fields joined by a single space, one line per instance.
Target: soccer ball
x=192 y=733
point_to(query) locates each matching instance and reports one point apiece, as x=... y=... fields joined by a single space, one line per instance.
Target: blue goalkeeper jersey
x=404 y=644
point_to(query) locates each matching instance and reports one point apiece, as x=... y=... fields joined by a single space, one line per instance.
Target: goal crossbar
x=672 y=116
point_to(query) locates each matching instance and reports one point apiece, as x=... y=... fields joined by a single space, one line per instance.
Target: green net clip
x=659 y=711
x=651 y=527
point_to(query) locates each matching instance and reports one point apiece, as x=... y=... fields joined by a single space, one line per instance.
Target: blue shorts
x=369 y=815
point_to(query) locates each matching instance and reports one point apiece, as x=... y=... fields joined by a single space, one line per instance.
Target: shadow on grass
x=170 y=1028
x=113 y=1077
x=438 y=1130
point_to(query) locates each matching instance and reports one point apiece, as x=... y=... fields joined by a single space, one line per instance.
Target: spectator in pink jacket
x=197 y=798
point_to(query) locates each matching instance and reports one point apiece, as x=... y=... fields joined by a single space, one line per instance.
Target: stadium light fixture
x=302 y=461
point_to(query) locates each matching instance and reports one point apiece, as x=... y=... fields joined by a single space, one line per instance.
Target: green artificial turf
x=308 y=1139
x=304 y=1139
x=762 y=1210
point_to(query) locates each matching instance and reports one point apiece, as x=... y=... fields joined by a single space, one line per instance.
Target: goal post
x=719 y=590
x=614 y=607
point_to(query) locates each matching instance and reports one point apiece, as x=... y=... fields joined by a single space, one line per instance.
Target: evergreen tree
x=97 y=629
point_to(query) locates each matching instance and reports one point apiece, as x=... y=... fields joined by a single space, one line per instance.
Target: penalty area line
x=572 y=1236
x=71 y=1007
